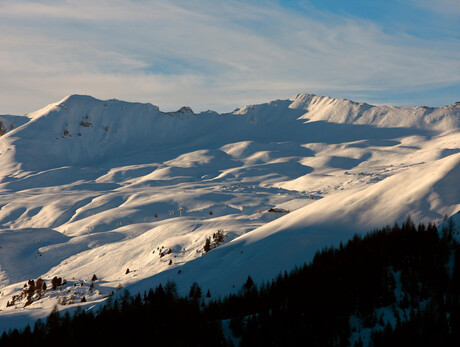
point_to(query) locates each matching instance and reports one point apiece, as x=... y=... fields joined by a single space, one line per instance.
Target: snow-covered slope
x=346 y=111
x=99 y=187
x=9 y=122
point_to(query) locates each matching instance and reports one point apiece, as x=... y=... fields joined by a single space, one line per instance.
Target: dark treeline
x=412 y=271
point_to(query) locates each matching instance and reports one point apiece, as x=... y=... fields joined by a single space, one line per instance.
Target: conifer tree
x=207 y=245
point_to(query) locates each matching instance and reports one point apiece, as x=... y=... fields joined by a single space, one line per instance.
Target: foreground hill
x=131 y=194
x=396 y=286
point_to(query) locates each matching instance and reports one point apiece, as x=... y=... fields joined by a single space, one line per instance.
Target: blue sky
x=420 y=18
x=226 y=54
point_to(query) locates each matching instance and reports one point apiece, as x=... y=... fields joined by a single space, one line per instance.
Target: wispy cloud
x=206 y=54
x=449 y=8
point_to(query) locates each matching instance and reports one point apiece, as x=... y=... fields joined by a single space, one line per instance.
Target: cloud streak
x=206 y=54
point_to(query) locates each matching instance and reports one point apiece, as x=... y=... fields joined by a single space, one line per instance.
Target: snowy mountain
x=102 y=187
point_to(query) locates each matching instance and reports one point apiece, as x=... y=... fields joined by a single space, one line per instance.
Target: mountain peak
x=76 y=97
x=185 y=109
x=301 y=96
x=81 y=99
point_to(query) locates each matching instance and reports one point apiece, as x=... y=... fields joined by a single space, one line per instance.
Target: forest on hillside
x=396 y=286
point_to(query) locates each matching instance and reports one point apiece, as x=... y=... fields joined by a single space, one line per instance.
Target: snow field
x=98 y=187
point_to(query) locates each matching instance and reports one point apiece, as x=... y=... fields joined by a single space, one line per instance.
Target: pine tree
x=207 y=245
x=171 y=289
x=195 y=291
x=248 y=285
x=56 y=282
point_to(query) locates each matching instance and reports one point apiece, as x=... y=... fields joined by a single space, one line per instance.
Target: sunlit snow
x=99 y=187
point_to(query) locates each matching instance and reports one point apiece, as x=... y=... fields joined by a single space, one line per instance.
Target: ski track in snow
x=98 y=187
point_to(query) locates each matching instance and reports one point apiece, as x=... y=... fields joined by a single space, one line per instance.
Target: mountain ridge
x=87 y=128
